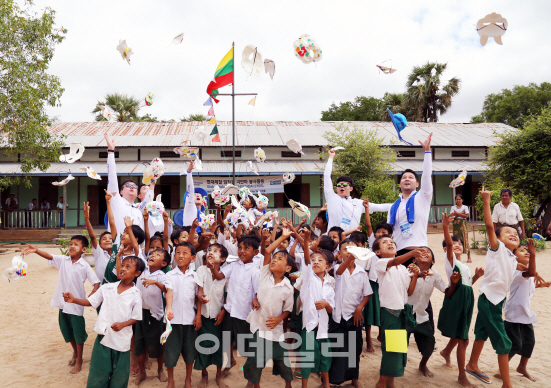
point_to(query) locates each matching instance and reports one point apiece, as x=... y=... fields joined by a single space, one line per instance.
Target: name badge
x=345 y=221
x=405 y=228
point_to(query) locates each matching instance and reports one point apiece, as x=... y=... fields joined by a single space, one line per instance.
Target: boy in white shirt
x=396 y=314
x=211 y=294
x=73 y=272
x=121 y=308
x=352 y=294
x=498 y=276
x=102 y=249
x=180 y=299
x=272 y=304
x=148 y=331
x=318 y=300
x=242 y=285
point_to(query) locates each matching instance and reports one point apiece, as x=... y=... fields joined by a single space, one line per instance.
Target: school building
x=455 y=147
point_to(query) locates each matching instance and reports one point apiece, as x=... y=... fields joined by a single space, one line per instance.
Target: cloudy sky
x=354 y=36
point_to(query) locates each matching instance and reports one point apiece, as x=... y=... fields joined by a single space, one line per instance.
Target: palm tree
x=393 y=101
x=425 y=96
x=125 y=106
x=194 y=117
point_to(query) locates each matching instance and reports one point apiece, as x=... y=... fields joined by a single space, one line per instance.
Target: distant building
x=454 y=147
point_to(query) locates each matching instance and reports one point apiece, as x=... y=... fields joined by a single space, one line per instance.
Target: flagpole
x=233 y=110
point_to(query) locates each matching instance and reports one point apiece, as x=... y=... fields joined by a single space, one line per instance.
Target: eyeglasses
x=343 y=184
x=131 y=186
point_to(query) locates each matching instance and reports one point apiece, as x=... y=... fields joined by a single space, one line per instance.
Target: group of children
x=283 y=291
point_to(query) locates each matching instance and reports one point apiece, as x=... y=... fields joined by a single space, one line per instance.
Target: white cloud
x=354 y=36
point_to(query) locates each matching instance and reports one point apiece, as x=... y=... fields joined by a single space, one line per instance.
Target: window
x=289 y=154
x=168 y=154
x=460 y=154
x=406 y=154
x=229 y=154
x=103 y=155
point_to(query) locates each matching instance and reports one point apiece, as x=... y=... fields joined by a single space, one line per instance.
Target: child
x=320 y=222
x=121 y=307
x=157 y=240
x=336 y=235
x=101 y=251
x=396 y=314
x=423 y=282
x=211 y=294
x=498 y=277
x=272 y=304
x=131 y=240
x=73 y=272
x=455 y=316
x=318 y=300
x=148 y=331
x=242 y=286
x=518 y=316
x=352 y=294
x=110 y=274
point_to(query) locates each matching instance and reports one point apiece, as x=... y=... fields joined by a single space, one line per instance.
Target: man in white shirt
x=31 y=207
x=507 y=212
x=343 y=210
x=11 y=202
x=122 y=202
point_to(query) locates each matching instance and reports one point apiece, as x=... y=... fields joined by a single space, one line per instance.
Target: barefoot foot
x=523 y=371
x=226 y=371
x=356 y=383
x=77 y=367
x=73 y=360
x=171 y=384
x=426 y=372
x=204 y=382
x=370 y=349
x=140 y=377
x=162 y=376
x=447 y=358
x=464 y=382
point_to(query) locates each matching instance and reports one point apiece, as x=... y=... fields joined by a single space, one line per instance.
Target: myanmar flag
x=216 y=135
x=223 y=75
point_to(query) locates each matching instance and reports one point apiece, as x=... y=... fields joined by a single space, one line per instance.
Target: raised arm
x=345 y=264
x=134 y=243
x=112 y=181
x=402 y=259
x=285 y=234
x=306 y=247
x=165 y=231
x=415 y=269
x=532 y=261
x=486 y=195
x=190 y=210
x=89 y=228
x=447 y=237
x=426 y=178
x=110 y=216
x=266 y=236
x=367 y=218
x=32 y=249
x=327 y=182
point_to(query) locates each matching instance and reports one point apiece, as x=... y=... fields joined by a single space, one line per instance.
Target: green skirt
x=455 y=316
x=372 y=311
x=313 y=358
x=211 y=353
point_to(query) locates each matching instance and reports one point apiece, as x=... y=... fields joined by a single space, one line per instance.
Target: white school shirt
x=345 y=212
x=274 y=299
x=213 y=289
x=462 y=209
x=372 y=271
x=312 y=291
x=31 y=206
x=510 y=215
x=184 y=289
x=465 y=271
x=8 y=201
x=116 y=308
x=101 y=258
x=152 y=296
x=243 y=283
x=326 y=279
x=231 y=247
x=393 y=284
x=120 y=206
x=422 y=200
x=350 y=291
x=71 y=279
x=498 y=274
x=517 y=306
x=421 y=295
x=258 y=260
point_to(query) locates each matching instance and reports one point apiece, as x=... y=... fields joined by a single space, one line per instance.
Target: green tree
x=148 y=118
x=361 y=109
x=194 y=117
x=366 y=160
x=521 y=160
x=426 y=98
x=393 y=101
x=513 y=107
x=125 y=106
x=27 y=45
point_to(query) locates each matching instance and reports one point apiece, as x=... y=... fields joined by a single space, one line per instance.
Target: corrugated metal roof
x=223 y=168
x=257 y=133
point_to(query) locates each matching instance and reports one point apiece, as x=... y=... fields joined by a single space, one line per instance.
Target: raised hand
x=366 y=204
x=532 y=246
x=190 y=166
x=86 y=207
x=145 y=215
x=108 y=195
x=446 y=219
x=426 y=144
x=110 y=142
x=455 y=277
x=306 y=235
x=486 y=195
x=165 y=216
x=479 y=272
x=195 y=223
x=331 y=153
x=286 y=232
x=265 y=234
x=128 y=222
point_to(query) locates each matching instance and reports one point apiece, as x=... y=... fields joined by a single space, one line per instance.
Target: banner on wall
x=264 y=184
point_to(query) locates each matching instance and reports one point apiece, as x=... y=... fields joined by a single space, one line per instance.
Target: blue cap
x=400 y=122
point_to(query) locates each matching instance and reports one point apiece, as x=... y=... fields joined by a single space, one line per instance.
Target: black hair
x=155 y=237
x=125 y=182
x=377 y=243
x=322 y=215
x=455 y=237
x=347 y=241
x=14 y=195
x=327 y=243
x=458 y=195
x=337 y=229
x=34 y=199
x=360 y=238
x=253 y=201
x=223 y=251
x=249 y=240
x=166 y=256
x=83 y=240
x=279 y=233
x=521 y=245
x=104 y=234
x=44 y=199
x=306 y=226
x=386 y=226
x=506 y=191
x=176 y=232
x=140 y=265
x=189 y=245
x=328 y=256
x=138 y=233
x=140 y=187
x=345 y=178
x=411 y=171
x=288 y=257
x=501 y=227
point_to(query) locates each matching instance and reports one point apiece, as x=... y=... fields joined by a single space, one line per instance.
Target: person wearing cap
x=122 y=202
x=343 y=210
x=194 y=205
